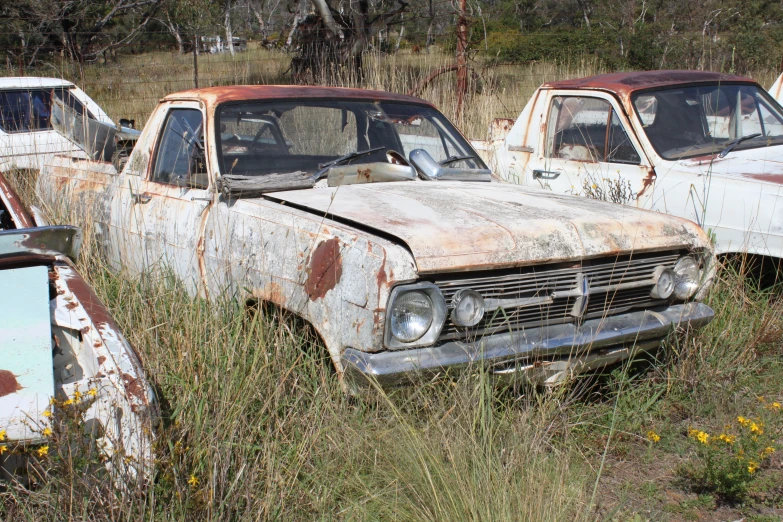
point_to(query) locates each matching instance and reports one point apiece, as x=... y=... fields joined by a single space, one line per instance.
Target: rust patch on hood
x=325 y=269
x=8 y=383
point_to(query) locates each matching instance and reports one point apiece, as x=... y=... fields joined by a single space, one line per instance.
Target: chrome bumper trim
x=559 y=348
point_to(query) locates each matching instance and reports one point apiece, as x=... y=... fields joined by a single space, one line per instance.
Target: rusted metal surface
x=13 y=205
x=325 y=269
x=8 y=383
x=332 y=255
x=213 y=96
x=452 y=226
x=623 y=84
x=91 y=359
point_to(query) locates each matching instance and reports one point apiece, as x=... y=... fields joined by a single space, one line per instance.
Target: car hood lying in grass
x=461 y=226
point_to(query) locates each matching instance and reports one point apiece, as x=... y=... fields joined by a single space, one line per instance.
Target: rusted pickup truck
x=371 y=217
x=704 y=146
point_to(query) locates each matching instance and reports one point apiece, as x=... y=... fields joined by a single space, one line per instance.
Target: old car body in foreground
x=704 y=146
x=61 y=349
x=367 y=214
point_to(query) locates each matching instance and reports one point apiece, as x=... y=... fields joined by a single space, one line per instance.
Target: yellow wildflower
x=752 y=466
x=47 y=413
x=766 y=452
x=3 y=435
x=692 y=433
x=775 y=405
x=193 y=481
x=703 y=437
x=47 y=432
x=756 y=428
x=744 y=421
x=728 y=439
x=654 y=437
x=68 y=402
x=43 y=451
x=77 y=395
x=52 y=401
x=3 y=449
x=92 y=392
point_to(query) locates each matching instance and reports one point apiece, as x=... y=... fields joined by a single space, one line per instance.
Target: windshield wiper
x=454 y=159
x=342 y=159
x=737 y=142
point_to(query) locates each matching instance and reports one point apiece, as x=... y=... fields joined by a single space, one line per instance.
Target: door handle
x=140 y=198
x=546 y=174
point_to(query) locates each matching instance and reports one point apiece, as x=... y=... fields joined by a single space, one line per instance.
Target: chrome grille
x=617 y=284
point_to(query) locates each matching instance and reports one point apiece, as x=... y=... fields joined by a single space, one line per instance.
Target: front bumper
x=544 y=355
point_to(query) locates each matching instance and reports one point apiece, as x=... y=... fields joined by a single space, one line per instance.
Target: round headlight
x=664 y=285
x=687 y=275
x=468 y=308
x=411 y=316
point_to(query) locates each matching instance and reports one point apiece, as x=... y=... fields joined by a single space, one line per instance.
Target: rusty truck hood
x=451 y=226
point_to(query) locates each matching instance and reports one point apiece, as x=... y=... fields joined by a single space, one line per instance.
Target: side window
x=180 y=156
x=25 y=111
x=587 y=129
x=619 y=148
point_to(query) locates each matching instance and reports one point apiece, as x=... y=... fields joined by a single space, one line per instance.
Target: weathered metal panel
x=466 y=226
x=26 y=375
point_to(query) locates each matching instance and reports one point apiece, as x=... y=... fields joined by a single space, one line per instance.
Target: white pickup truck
x=700 y=145
x=41 y=117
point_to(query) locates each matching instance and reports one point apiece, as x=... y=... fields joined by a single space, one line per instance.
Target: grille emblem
x=582 y=292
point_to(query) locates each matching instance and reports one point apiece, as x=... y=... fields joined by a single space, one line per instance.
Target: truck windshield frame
x=695 y=120
x=257 y=138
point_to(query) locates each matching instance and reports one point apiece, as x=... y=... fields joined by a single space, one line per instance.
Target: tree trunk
x=258 y=12
x=229 y=32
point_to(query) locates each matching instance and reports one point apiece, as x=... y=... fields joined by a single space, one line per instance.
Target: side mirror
x=431 y=170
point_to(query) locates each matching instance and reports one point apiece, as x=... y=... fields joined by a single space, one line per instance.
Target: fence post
x=462 y=59
x=195 y=61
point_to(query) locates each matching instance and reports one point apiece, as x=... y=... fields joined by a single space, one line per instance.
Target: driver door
x=166 y=211
x=589 y=150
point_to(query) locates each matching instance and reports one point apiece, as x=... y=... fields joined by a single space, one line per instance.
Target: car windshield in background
x=693 y=121
x=30 y=110
x=258 y=138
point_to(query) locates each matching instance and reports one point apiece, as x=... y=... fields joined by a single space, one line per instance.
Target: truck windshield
x=693 y=121
x=259 y=138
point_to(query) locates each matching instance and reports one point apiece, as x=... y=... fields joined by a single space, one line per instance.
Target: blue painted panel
x=26 y=373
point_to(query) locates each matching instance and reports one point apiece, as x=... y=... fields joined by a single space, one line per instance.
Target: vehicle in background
x=776 y=90
x=40 y=117
x=701 y=145
x=60 y=349
x=368 y=215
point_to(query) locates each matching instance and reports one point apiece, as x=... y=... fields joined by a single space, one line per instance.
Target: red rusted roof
x=216 y=95
x=624 y=83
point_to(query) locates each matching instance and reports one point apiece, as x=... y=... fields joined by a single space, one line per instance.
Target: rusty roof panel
x=217 y=95
x=625 y=83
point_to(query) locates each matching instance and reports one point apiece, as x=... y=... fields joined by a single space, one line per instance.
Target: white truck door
x=160 y=215
x=584 y=146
